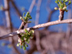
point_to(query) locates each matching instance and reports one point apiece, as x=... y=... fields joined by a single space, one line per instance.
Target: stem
x=61 y=16
x=36 y=27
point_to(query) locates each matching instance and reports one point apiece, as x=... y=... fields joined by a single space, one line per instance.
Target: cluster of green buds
x=62 y=4
x=25 y=38
x=26 y=18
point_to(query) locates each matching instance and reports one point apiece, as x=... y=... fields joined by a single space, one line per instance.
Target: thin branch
x=30 y=9
x=38 y=12
x=49 y=18
x=31 y=6
x=61 y=16
x=38 y=41
x=9 y=24
x=17 y=10
x=36 y=27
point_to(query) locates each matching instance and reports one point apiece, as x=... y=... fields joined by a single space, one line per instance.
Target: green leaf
x=30 y=17
x=26 y=45
x=28 y=41
x=26 y=30
x=62 y=5
x=24 y=48
x=59 y=5
x=25 y=18
x=23 y=15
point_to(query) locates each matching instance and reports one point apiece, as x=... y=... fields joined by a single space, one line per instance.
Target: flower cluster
x=25 y=38
x=62 y=4
x=26 y=18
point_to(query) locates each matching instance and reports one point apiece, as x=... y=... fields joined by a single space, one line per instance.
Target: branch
x=36 y=27
x=30 y=9
x=17 y=10
x=31 y=6
x=38 y=11
x=49 y=18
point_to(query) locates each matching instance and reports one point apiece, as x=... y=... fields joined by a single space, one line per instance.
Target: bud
x=24 y=48
x=18 y=44
x=21 y=18
x=66 y=0
x=64 y=8
x=19 y=40
x=56 y=8
x=69 y=3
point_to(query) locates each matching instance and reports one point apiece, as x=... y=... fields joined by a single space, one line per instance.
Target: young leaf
x=26 y=45
x=26 y=30
x=24 y=48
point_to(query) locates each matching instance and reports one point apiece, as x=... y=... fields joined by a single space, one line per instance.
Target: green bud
x=66 y=0
x=26 y=45
x=26 y=30
x=69 y=3
x=32 y=31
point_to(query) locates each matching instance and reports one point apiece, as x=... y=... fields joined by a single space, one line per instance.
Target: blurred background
x=56 y=39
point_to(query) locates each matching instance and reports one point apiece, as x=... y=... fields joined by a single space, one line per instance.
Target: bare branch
x=30 y=9
x=38 y=12
x=31 y=6
x=36 y=27
x=49 y=18
x=17 y=10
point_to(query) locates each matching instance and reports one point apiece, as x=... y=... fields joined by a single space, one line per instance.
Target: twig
x=38 y=40
x=61 y=16
x=9 y=24
x=36 y=27
x=30 y=9
x=49 y=18
x=38 y=12
x=31 y=6
x=17 y=10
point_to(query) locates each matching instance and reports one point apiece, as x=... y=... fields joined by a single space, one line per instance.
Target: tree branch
x=38 y=12
x=36 y=27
